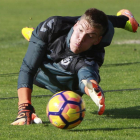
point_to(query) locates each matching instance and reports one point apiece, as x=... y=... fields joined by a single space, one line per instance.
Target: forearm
x=88 y=73
x=31 y=62
x=118 y=21
x=24 y=95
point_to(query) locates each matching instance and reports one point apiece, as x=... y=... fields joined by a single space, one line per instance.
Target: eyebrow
x=93 y=33
x=89 y=33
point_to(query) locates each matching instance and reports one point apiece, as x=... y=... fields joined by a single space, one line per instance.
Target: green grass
x=120 y=72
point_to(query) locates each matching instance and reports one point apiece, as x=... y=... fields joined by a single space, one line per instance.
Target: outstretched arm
x=31 y=62
x=125 y=20
x=118 y=21
x=88 y=83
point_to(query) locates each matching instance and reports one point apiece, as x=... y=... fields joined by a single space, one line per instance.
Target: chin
x=75 y=51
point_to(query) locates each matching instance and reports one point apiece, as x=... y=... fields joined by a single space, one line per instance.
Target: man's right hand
x=96 y=95
x=26 y=115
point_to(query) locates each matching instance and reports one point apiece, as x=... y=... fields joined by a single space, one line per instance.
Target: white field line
x=126 y=42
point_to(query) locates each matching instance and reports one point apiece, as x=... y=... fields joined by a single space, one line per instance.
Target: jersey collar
x=68 y=37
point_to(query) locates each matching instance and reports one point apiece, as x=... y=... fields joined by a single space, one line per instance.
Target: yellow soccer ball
x=66 y=109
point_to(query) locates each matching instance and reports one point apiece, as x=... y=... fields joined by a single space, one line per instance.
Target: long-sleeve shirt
x=49 y=50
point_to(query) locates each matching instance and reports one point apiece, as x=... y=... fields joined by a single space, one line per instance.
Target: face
x=83 y=37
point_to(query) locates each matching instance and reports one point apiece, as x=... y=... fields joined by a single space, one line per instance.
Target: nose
x=81 y=37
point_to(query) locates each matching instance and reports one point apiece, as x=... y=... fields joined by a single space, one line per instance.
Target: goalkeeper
x=65 y=53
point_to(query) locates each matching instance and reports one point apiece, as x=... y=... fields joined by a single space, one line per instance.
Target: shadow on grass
x=46 y=123
x=121 y=113
x=102 y=129
x=120 y=64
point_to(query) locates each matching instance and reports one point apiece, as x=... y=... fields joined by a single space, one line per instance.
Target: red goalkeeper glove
x=96 y=95
x=131 y=25
x=26 y=115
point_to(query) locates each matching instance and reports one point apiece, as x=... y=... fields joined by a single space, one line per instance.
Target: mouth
x=77 y=45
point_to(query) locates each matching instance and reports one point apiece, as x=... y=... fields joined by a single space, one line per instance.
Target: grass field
x=120 y=75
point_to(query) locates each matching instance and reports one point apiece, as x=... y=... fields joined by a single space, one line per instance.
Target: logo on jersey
x=67 y=60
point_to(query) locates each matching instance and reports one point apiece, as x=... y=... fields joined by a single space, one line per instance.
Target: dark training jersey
x=50 y=62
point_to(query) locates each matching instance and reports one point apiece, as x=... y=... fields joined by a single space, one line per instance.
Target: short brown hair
x=96 y=18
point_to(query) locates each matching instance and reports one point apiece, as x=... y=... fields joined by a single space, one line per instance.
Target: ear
x=98 y=40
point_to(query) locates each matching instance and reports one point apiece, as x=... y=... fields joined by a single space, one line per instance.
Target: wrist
x=25 y=107
x=24 y=101
x=24 y=95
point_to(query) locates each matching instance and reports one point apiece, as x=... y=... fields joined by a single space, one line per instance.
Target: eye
x=90 y=36
x=80 y=30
